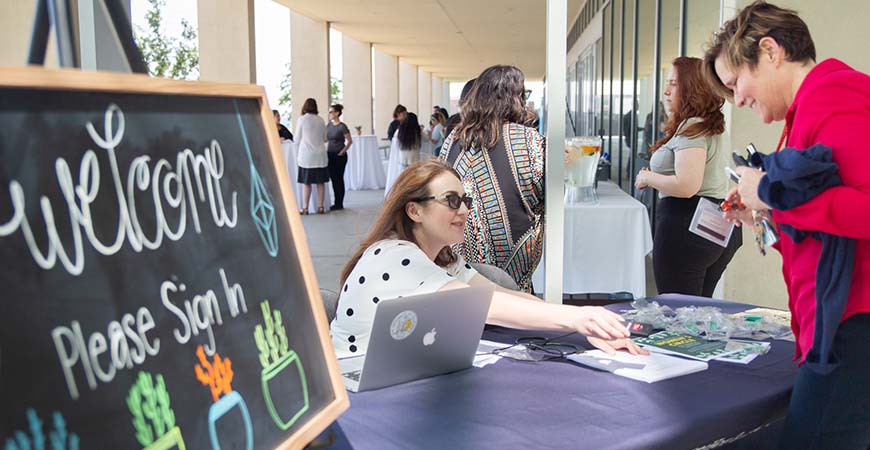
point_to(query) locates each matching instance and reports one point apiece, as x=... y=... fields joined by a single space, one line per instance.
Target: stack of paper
x=649 y=368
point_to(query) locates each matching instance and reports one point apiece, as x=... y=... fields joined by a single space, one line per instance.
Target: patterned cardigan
x=506 y=223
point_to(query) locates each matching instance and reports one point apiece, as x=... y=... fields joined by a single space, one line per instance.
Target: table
x=605 y=245
x=289 y=150
x=394 y=166
x=561 y=405
x=364 y=167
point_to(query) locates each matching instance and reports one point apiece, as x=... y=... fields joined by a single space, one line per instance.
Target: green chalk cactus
x=150 y=403
x=272 y=342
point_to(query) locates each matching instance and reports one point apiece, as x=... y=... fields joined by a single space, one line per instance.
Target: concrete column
x=356 y=59
x=445 y=97
x=309 y=62
x=408 y=86
x=226 y=40
x=386 y=90
x=16 y=22
x=424 y=96
x=436 y=93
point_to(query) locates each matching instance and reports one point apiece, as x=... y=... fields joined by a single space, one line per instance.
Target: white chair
x=330 y=303
x=496 y=275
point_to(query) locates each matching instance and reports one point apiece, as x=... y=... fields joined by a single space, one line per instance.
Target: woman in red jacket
x=764 y=59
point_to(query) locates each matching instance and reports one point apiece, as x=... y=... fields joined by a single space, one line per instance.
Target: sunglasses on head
x=454 y=201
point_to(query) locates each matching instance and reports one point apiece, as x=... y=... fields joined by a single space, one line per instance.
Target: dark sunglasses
x=454 y=201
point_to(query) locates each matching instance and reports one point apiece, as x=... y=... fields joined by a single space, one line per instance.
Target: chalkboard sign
x=157 y=290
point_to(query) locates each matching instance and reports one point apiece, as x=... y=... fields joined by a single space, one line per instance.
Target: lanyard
x=783 y=137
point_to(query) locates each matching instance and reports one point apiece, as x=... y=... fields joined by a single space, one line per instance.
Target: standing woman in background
x=501 y=165
x=765 y=59
x=400 y=113
x=339 y=141
x=436 y=134
x=687 y=165
x=406 y=141
x=310 y=136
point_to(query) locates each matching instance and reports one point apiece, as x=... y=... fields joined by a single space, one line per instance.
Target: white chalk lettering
x=195 y=179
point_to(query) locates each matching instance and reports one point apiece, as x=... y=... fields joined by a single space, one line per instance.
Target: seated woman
x=408 y=252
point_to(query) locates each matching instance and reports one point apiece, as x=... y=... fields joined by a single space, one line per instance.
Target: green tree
x=334 y=90
x=167 y=56
x=286 y=97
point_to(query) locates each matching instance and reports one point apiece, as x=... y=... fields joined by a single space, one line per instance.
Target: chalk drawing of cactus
x=58 y=438
x=275 y=356
x=153 y=418
x=218 y=376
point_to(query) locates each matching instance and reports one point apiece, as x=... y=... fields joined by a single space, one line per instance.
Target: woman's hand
x=597 y=322
x=610 y=347
x=748 y=188
x=641 y=180
x=737 y=216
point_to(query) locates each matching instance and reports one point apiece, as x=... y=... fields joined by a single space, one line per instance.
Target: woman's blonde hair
x=738 y=40
x=393 y=222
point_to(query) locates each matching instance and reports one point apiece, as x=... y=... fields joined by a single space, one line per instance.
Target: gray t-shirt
x=335 y=136
x=714 y=182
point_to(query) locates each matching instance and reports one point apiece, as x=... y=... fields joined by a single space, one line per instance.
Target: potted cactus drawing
x=218 y=376
x=288 y=386
x=153 y=419
x=58 y=439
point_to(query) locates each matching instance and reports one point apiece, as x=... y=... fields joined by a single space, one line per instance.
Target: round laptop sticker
x=403 y=325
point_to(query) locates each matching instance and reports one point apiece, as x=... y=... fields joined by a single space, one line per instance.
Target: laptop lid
x=424 y=335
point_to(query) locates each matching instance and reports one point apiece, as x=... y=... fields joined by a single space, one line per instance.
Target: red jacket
x=832 y=107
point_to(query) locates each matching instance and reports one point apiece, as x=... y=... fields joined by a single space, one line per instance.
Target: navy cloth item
x=563 y=405
x=793 y=178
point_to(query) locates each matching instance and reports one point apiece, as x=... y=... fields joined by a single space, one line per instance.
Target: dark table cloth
x=560 y=405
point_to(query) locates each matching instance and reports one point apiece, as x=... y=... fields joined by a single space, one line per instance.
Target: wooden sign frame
x=104 y=82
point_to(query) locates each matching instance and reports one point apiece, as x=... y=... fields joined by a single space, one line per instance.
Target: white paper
x=648 y=368
x=749 y=350
x=484 y=355
x=709 y=224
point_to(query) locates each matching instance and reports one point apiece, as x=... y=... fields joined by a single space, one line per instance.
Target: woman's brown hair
x=310 y=106
x=738 y=40
x=393 y=221
x=696 y=100
x=495 y=98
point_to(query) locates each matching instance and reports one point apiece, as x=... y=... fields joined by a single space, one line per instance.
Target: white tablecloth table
x=605 y=245
x=364 y=167
x=289 y=149
x=394 y=166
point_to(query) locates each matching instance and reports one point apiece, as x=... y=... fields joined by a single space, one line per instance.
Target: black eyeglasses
x=549 y=348
x=539 y=349
x=454 y=201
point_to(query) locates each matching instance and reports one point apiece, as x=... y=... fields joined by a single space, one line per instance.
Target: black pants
x=683 y=262
x=336 y=175
x=833 y=410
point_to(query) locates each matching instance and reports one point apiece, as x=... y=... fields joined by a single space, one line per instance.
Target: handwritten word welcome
x=194 y=177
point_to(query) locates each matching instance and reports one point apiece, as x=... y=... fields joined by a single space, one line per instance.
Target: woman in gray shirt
x=339 y=140
x=687 y=165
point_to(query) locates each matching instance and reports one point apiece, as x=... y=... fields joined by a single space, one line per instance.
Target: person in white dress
x=407 y=140
x=408 y=251
x=311 y=155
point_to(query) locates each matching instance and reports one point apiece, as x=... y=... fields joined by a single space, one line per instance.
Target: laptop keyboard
x=354 y=375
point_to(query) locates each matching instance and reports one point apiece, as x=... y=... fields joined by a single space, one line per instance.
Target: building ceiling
x=453 y=39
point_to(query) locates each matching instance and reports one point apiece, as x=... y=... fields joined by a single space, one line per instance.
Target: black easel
x=57 y=14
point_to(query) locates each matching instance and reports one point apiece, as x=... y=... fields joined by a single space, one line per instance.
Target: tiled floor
x=333 y=237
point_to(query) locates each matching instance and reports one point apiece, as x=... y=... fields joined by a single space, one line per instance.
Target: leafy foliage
x=167 y=56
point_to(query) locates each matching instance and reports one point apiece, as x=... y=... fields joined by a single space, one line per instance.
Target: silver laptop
x=420 y=336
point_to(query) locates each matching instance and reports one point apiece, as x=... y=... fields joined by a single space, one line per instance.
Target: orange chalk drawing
x=217 y=375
